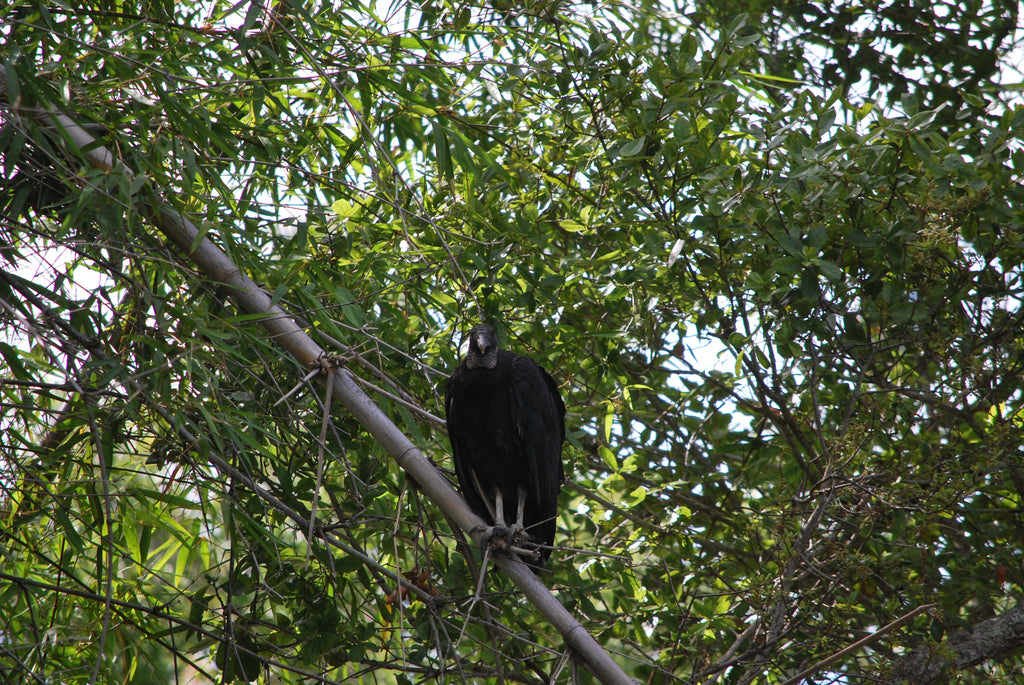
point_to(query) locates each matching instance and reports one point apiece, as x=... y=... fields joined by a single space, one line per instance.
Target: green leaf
x=828 y=269
x=634 y=147
x=608 y=457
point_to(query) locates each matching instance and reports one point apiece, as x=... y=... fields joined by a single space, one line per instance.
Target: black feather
x=506 y=423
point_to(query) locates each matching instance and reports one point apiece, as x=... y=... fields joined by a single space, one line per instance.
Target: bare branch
x=866 y=640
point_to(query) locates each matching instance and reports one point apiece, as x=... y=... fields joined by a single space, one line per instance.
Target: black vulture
x=506 y=424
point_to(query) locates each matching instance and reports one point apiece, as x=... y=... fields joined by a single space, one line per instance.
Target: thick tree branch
x=990 y=639
x=281 y=326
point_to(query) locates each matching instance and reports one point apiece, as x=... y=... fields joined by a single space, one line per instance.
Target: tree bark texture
x=990 y=639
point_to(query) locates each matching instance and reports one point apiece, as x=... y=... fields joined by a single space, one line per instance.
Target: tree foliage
x=785 y=316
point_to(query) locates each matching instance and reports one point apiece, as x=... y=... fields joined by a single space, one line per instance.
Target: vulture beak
x=480 y=342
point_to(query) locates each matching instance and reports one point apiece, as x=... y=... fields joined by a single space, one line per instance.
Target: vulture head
x=483 y=348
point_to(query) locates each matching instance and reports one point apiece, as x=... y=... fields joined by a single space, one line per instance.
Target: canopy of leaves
x=786 y=319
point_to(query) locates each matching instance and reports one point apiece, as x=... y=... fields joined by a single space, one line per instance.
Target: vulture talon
x=497 y=533
x=509 y=539
x=495 y=538
x=517 y=535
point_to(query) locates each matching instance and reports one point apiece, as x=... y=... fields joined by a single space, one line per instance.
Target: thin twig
x=305 y=379
x=395 y=398
x=866 y=640
x=325 y=421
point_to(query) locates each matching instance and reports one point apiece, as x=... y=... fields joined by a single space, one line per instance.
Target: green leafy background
x=773 y=260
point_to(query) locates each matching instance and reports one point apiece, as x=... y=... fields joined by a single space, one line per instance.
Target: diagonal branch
x=859 y=644
x=281 y=327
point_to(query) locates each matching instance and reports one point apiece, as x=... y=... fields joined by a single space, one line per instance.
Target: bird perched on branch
x=506 y=424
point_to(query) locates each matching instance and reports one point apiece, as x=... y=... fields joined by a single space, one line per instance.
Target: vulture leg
x=518 y=532
x=495 y=508
x=517 y=535
x=501 y=535
x=522 y=508
x=512 y=535
x=499 y=511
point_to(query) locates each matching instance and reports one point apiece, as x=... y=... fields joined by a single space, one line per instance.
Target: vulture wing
x=538 y=420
